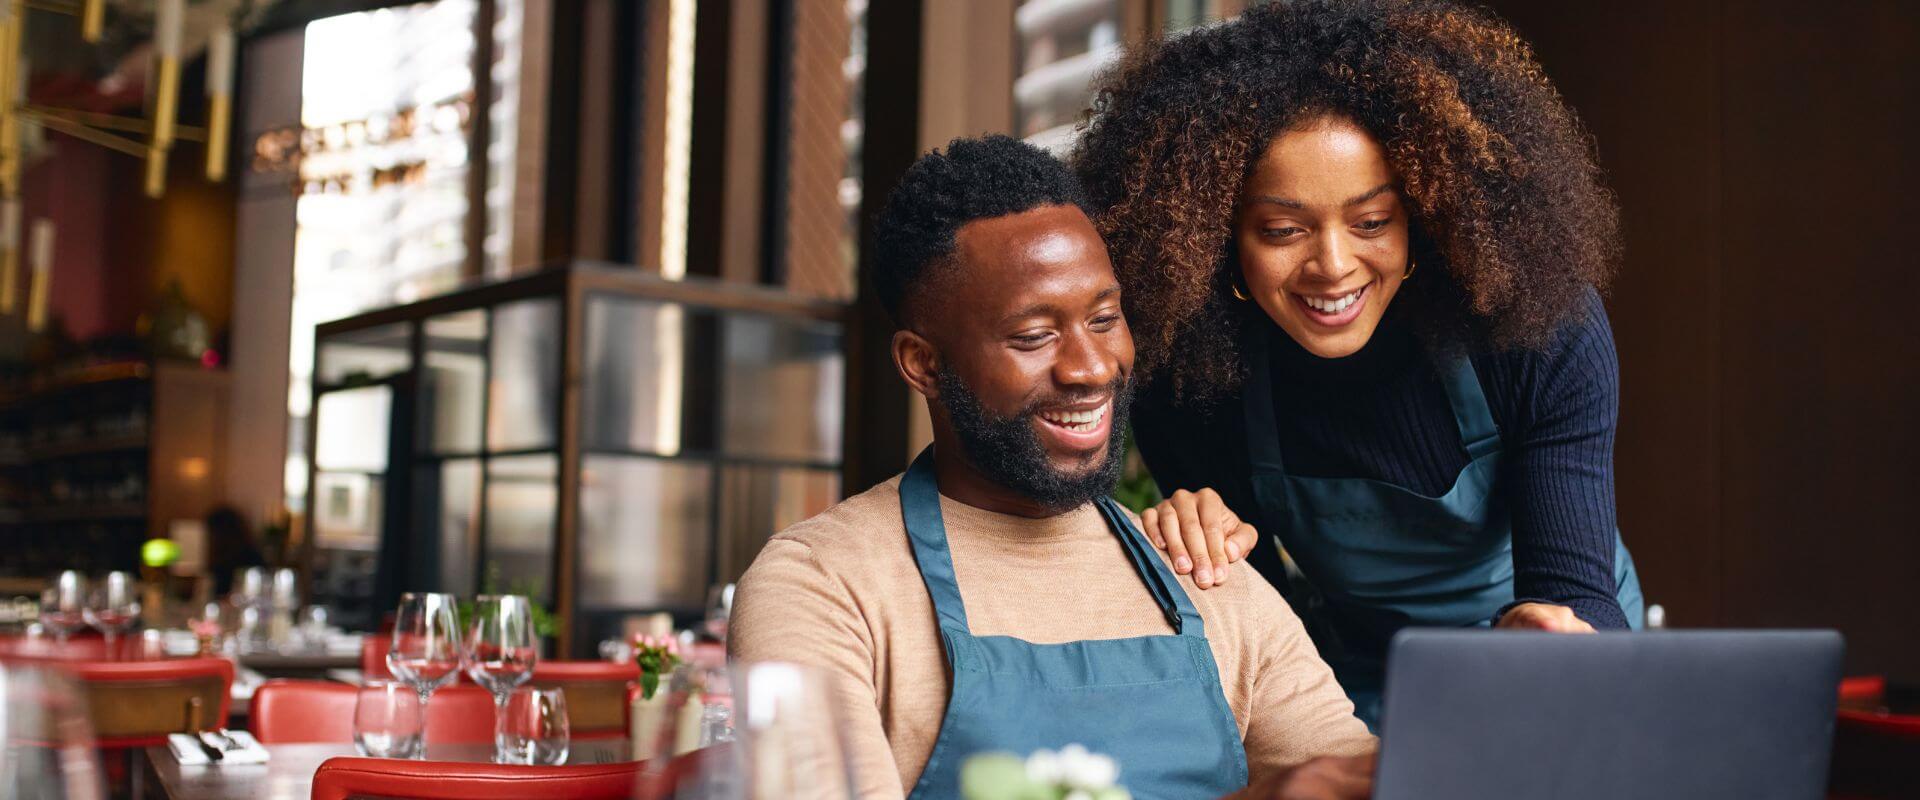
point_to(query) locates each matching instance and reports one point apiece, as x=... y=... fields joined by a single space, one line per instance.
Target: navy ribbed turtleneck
x=1382 y=414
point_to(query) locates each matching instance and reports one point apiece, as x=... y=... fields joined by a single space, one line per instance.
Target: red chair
x=137 y=703
x=1874 y=747
x=597 y=704
x=293 y=711
x=373 y=657
x=346 y=777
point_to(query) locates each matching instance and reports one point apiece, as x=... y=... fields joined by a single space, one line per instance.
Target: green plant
x=1136 y=489
x=544 y=623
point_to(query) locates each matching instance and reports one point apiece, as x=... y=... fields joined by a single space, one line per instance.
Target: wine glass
x=113 y=606
x=63 y=606
x=719 y=610
x=426 y=650
x=533 y=727
x=389 y=721
x=501 y=653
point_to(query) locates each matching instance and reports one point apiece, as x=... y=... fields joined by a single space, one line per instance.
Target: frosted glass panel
x=522 y=502
x=523 y=410
x=781 y=390
x=644 y=526
x=453 y=385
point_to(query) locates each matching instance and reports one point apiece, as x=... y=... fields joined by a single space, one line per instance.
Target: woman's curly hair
x=1511 y=220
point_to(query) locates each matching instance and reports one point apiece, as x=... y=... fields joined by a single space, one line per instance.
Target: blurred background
x=559 y=296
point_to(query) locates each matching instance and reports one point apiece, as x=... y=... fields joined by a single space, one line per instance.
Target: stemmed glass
x=63 y=606
x=426 y=650
x=501 y=653
x=112 y=606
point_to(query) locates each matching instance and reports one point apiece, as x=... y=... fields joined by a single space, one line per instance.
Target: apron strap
x=1471 y=414
x=920 y=508
x=1256 y=403
x=1166 y=591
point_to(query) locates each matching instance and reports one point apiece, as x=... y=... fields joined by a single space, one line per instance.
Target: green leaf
x=649 y=683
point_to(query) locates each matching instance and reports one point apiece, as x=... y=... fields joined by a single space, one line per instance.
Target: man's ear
x=918 y=363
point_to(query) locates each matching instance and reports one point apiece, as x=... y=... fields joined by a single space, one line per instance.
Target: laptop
x=1480 y=715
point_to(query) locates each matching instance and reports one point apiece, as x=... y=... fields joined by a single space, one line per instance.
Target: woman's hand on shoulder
x=1543 y=617
x=1200 y=535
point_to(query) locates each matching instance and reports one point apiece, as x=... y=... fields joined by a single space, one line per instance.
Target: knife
x=213 y=753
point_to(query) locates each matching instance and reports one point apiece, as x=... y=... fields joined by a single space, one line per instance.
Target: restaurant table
x=288 y=773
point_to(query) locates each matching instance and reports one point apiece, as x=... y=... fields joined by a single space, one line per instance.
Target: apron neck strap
x=1471 y=414
x=1256 y=404
x=1166 y=590
x=920 y=508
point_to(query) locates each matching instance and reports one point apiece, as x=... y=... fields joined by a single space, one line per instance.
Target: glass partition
x=702 y=418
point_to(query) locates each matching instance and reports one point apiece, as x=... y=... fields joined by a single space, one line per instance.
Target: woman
x=1360 y=244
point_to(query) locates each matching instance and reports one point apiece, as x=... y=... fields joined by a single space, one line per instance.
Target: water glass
x=113 y=606
x=533 y=728
x=47 y=747
x=63 y=606
x=788 y=740
x=389 y=721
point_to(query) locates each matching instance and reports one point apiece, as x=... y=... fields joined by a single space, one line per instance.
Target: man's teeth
x=1334 y=306
x=1081 y=421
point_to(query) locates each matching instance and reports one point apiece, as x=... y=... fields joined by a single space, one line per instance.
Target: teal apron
x=1153 y=703
x=1374 y=558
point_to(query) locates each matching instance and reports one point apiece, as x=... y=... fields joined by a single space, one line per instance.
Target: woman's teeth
x=1078 y=421
x=1335 y=305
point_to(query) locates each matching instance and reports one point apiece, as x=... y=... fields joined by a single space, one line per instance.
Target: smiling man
x=993 y=598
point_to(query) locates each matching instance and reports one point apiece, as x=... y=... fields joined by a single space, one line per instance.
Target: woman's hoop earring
x=1411 y=266
x=1237 y=294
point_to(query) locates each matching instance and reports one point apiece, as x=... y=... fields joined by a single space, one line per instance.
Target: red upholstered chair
x=1874 y=745
x=597 y=706
x=343 y=778
x=373 y=656
x=137 y=703
x=291 y=711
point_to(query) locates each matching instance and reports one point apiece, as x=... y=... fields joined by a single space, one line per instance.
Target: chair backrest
x=597 y=706
x=346 y=777
x=137 y=703
x=294 y=711
x=373 y=656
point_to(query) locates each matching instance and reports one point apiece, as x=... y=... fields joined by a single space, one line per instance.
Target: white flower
x=1043 y=767
x=1077 y=794
x=1081 y=769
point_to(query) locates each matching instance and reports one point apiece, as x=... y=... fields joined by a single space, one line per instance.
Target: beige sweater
x=841 y=592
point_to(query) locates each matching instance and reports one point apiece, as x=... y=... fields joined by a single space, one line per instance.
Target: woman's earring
x=1237 y=294
x=1411 y=266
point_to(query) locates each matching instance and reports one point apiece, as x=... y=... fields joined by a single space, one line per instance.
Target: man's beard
x=1007 y=450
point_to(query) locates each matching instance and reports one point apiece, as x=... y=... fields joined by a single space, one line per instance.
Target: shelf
x=107 y=512
x=85 y=447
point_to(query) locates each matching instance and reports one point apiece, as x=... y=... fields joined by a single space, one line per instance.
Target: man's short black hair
x=992 y=176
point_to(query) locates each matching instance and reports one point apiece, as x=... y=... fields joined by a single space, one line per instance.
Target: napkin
x=186 y=749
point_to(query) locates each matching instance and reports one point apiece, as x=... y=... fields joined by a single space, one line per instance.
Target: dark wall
x=1764 y=157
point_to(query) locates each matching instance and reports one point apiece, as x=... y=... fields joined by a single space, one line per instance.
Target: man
x=992 y=598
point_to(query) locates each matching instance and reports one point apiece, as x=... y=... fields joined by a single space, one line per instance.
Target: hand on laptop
x=1544 y=617
x=1323 y=778
x=1200 y=534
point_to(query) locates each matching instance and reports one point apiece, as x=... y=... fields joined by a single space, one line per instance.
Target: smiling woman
x=1361 y=242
